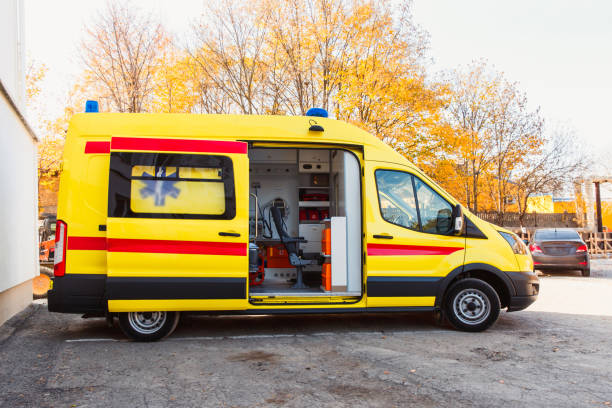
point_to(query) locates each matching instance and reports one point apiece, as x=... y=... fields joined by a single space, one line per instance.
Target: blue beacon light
x=92 y=107
x=318 y=112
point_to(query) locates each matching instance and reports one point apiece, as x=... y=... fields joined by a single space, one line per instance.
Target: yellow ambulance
x=160 y=214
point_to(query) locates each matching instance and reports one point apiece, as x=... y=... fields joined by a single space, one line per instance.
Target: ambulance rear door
x=177 y=227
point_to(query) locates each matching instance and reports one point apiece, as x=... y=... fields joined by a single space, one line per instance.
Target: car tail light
x=581 y=249
x=534 y=248
x=61 y=239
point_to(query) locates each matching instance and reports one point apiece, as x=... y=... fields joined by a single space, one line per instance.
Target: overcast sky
x=559 y=51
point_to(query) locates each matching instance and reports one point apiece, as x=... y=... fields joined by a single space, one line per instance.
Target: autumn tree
x=121 y=53
x=495 y=131
x=49 y=147
x=469 y=114
x=310 y=40
x=51 y=132
x=361 y=60
x=384 y=87
x=229 y=51
x=517 y=134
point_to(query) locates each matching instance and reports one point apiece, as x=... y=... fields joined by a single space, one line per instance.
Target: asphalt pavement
x=556 y=353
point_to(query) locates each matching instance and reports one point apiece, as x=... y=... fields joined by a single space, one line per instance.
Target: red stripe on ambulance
x=399 y=250
x=177 y=145
x=157 y=246
x=87 y=243
x=176 y=247
x=97 y=147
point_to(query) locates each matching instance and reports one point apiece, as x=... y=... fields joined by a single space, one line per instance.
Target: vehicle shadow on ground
x=198 y=325
x=595 y=274
x=564 y=273
x=206 y=326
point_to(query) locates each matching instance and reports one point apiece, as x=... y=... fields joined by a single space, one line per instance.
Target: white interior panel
x=346 y=191
x=338 y=254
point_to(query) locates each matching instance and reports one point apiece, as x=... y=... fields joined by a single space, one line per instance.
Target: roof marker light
x=318 y=112
x=91 y=107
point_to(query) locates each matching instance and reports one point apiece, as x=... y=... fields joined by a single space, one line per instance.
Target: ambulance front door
x=177 y=227
x=411 y=246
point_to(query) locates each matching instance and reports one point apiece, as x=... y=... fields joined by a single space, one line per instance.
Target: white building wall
x=12 y=60
x=18 y=201
x=18 y=181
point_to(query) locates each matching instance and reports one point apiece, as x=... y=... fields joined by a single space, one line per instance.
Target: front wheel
x=148 y=326
x=472 y=305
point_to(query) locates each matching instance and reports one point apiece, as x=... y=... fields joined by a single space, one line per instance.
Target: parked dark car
x=559 y=249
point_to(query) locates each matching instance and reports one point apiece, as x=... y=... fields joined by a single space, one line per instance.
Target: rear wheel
x=472 y=305
x=148 y=326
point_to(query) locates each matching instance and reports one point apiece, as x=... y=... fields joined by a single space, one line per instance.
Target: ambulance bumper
x=77 y=293
x=527 y=288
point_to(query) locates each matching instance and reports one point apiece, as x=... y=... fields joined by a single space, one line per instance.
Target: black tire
x=586 y=272
x=148 y=326
x=477 y=305
x=45 y=270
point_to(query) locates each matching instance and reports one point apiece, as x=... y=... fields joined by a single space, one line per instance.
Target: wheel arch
x=485 y=272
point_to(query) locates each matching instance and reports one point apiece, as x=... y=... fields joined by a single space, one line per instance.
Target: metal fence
x=599 y=243
x=531 y=220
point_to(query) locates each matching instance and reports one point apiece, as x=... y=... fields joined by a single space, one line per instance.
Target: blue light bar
x=92 y=107
x=318 y=112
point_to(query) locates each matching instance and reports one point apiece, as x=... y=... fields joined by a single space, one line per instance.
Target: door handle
x=229 y=234
x=383 y=236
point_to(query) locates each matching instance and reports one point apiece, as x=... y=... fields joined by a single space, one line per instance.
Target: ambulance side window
x=396 y=198
x=160 y=185
x=435 y=211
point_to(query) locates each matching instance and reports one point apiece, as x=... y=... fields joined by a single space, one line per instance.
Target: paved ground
x=557 y=353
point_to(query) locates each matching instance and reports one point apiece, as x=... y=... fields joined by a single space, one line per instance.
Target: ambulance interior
x=305 y=219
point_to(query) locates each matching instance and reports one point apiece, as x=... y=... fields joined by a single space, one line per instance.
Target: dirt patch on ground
x=494 y=355
x=254 y=356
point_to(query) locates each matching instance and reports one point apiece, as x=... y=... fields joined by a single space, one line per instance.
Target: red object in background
x=582 y=248
x=326 y=276
x=257 y=278
x=315 y=197
x=323 y=213
x=303 y=215
x=534 y=248
x=326 y=241
x=313 y=215
x=277 y=257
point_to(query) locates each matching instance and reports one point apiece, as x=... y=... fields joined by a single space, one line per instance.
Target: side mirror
x=457 y=220
x=444 y=221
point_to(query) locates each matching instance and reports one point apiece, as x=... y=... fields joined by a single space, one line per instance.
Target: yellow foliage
x=34 y=75
x=362 y=60
x=540 y=204
x=606 y=214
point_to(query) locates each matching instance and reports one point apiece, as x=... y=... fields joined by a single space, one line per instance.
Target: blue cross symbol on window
x=159 y=189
